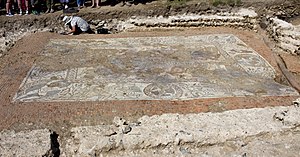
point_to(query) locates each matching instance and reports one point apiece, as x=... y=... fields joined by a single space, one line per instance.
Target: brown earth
x=62 y=115
x=285 y=9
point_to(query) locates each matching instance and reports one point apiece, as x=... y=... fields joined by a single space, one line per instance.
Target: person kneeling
x=77 y=25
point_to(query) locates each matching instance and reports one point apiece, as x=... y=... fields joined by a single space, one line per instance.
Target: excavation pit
x=149 y=68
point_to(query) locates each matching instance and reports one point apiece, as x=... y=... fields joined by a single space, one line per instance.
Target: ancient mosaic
x=149 y=68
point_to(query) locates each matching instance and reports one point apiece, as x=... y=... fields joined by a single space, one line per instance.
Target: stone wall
x=241 y=19
x=286 y=35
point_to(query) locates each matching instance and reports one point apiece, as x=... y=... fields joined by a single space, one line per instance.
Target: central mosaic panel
x=149 y=68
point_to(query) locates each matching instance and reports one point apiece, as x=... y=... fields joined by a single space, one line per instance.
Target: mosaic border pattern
x=191 y=67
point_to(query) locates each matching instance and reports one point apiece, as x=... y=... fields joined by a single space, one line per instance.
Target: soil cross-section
x=149 y=68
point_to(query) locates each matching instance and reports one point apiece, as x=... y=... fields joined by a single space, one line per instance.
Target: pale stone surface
x=150 y=68
x=24 y=143
x=275 y=145
x=290 y=41
x=231 y=132
x=247 y=12
x=282 y=25
x=286 y=35
x=245 y=18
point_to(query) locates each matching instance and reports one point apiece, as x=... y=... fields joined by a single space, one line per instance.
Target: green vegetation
x=226 y=2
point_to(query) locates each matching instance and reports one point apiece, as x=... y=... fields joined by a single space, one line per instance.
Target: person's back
x=80 y=23
x=77 y=25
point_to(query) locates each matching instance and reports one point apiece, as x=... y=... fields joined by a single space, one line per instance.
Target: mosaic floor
x=149 y=68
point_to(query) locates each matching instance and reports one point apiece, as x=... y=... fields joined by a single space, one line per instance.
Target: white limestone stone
x=175 y=130
x=24 y=143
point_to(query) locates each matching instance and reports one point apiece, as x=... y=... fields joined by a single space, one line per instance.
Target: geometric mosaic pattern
x=149 y=68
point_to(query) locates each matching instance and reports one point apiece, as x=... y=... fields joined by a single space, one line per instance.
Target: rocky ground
x=24 y=37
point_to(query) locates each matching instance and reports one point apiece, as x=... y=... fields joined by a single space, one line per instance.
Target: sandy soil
x=62 y=115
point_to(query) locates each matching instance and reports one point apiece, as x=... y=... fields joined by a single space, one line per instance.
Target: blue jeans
x=64 y=1
x=80 y=2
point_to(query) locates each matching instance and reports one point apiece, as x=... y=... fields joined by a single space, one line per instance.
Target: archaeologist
x=77 y=25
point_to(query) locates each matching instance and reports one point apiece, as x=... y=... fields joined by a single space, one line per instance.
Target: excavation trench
x=180 y=63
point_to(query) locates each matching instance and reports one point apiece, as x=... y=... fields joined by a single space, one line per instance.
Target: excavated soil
x=15 y=64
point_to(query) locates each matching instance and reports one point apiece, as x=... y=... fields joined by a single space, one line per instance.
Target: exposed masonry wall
x=285 y=34
x=242 y=19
